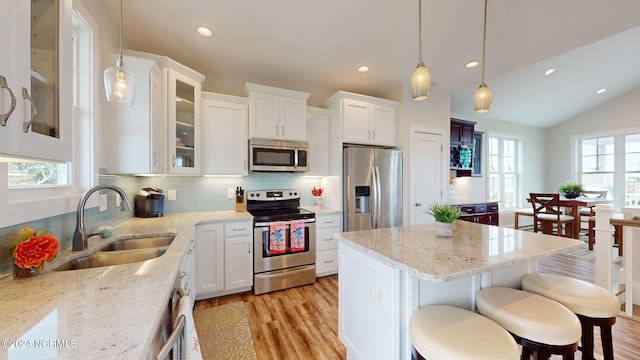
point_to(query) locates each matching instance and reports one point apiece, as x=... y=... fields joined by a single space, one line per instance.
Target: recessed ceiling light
x=206 y=32
x=549 y=71
x=472 y=64
x=601 y=91
x=363 y=69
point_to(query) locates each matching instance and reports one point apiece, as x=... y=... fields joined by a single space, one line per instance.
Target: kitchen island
x=386 y=274
x=109 y=312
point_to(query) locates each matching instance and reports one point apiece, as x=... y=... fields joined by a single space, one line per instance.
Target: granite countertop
x=470 y=201
x=101 y=313
x=321 y=210
x=473 y=249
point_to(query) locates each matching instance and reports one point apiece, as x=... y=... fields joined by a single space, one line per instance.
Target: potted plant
x=570 y=189
x=445 y=215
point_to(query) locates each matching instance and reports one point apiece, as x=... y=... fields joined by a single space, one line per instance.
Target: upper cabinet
x=36 y=88
x=183 y=120
x=225 y=134
x=462 y=132
x=461 y=148
x=277 y=114
x=365 y=120
x=138 y=129
x=318 y=128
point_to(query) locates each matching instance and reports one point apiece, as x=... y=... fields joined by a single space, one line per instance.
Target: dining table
x=573 y=208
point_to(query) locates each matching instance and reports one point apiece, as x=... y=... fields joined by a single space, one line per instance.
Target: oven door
x=267 y=260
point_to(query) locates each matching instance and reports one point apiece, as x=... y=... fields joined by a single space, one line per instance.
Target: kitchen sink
x=109 y=258
x=139 y=243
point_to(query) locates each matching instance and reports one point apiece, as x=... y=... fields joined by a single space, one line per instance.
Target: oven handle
x=266 y=224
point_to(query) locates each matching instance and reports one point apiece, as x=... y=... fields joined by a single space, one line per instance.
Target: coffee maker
x=149 y=203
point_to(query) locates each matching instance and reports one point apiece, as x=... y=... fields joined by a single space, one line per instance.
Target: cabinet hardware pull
x=155 y=159
x=282 y=130
x=374 y=134
x=328 y=262
x=369 y=136
x=248 y=248
x=4 y=117
x=329 y=239
x=277 y=129
x=34 y=111
x=418 y=204
x=173 y=161
x=183 y=274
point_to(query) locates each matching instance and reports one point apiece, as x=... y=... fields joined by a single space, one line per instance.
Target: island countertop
x=473 y=248
x=108 y=312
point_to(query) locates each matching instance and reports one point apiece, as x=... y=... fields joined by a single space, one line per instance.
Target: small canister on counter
x=239 y=199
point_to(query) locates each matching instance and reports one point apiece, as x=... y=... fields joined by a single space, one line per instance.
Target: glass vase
x=22 y=273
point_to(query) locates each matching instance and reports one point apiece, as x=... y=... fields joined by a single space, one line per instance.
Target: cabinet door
x=293 y=119
x=184 y=108
x=8 y=71
x=355 y=122
x=264 y=115
x=209 y=259
x=225 y=134
x=383 y=124
x=466 y=134
x=45 y=71
x=238 y=270
x=318 y=127
x=187 y=270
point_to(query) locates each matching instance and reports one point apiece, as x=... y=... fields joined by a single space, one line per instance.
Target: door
x=388 y=188
x=358 y=165
x=425 y=175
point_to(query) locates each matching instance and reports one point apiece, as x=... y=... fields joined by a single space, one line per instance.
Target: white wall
x=620 y=113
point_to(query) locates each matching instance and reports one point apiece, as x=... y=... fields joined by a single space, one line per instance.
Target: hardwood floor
x=302 y=323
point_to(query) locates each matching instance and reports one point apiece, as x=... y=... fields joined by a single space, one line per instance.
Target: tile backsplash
x=193 y=193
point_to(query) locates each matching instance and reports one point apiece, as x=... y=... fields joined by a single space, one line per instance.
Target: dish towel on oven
x=277 y=238
x=297 y=235
x=188 y=346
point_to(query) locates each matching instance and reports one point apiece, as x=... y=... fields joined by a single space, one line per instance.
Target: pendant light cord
x=484 y=38
x=420 y=29
x=120 y=30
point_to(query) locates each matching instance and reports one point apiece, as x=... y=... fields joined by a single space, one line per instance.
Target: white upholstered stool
x=440 y=332
x=594 y=306
x=542 y=326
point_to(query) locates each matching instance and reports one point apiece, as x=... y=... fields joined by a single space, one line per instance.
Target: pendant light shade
x=421 y=79
x=482 y=98
x=119 y=84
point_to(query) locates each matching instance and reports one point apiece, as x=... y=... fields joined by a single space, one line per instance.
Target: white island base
x=386 y=274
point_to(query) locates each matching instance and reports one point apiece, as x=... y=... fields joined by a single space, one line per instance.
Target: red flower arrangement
x=33 y=247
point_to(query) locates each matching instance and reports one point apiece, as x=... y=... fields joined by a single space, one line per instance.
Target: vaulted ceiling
x=306 y=45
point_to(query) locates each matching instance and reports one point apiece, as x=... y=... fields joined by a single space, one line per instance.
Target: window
x=504 y=171
x=632 y=170
x=598 y=160
x=38 y=174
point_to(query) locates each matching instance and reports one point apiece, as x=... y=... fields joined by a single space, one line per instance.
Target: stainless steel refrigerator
x=372 y=185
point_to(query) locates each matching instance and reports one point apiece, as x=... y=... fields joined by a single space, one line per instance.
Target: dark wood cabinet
x=461 y=146
x=481 y=213
x=462 y=132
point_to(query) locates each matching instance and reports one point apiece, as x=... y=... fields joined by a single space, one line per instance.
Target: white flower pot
x=444 y=229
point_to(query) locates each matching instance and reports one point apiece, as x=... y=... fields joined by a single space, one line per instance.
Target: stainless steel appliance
x=276 y=271
x=275 y=155
x=372 y=180
x=149 y=203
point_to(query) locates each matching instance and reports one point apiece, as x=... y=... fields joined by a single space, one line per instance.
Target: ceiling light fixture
x=549 y=71
x=206 y=32
x=119 y=84
x=482 y=98
x=363 y=69
x=471 y=64
x=603 y=90
x=421 y=79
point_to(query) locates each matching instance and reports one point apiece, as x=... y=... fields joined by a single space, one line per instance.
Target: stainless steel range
x=284 y=240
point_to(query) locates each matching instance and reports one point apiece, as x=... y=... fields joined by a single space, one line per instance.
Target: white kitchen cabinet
x=38 y=71
x=224 y=258
x=184 y=108
x=138 y=129
x=326 y=244
x=209 y=259
x=225 y=125
x=188 y=270
x=318 y=129
x=364 y=119
x=277 y=114
x=238 y=255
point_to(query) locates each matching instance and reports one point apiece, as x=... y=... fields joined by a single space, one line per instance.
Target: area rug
x=224 y=332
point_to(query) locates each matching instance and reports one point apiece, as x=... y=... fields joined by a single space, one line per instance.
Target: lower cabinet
x=326 y=245
x=188 y=270
x=224 y=260
x=481 y=213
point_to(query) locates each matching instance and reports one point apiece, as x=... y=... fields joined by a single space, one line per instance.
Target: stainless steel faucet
x=80 y=235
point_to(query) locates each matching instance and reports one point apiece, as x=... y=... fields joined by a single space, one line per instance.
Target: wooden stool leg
x=587 y=338
x=607 y=342
x=618 y=238
x=591 y=232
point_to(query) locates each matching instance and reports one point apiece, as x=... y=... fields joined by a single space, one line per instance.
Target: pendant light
x=482 y=98
x=119 y=84
x=421 y=79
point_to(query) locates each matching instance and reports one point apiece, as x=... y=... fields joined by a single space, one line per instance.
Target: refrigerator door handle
x=373 y=205
x=377 y=197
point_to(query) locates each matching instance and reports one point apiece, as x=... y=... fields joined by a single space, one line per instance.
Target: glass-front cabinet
x=184 y=124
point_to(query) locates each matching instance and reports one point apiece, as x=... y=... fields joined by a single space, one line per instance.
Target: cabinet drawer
x=492 y=208
x=326 y=262
x=238 y=229
x=325 y=240
x=468 y=209
x=324 y=221
x=481 y=208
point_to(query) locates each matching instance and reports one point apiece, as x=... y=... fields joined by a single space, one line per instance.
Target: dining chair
x=587 y=212
x=548 y=215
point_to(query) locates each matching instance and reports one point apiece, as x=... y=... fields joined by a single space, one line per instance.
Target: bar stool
x=442 y=332
x=542 y=326
x=594 y=306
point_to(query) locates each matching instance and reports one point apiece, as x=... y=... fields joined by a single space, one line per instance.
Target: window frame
x=517 y=174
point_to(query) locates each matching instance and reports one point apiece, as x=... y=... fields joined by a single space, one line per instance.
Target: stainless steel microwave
x=276 y=155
